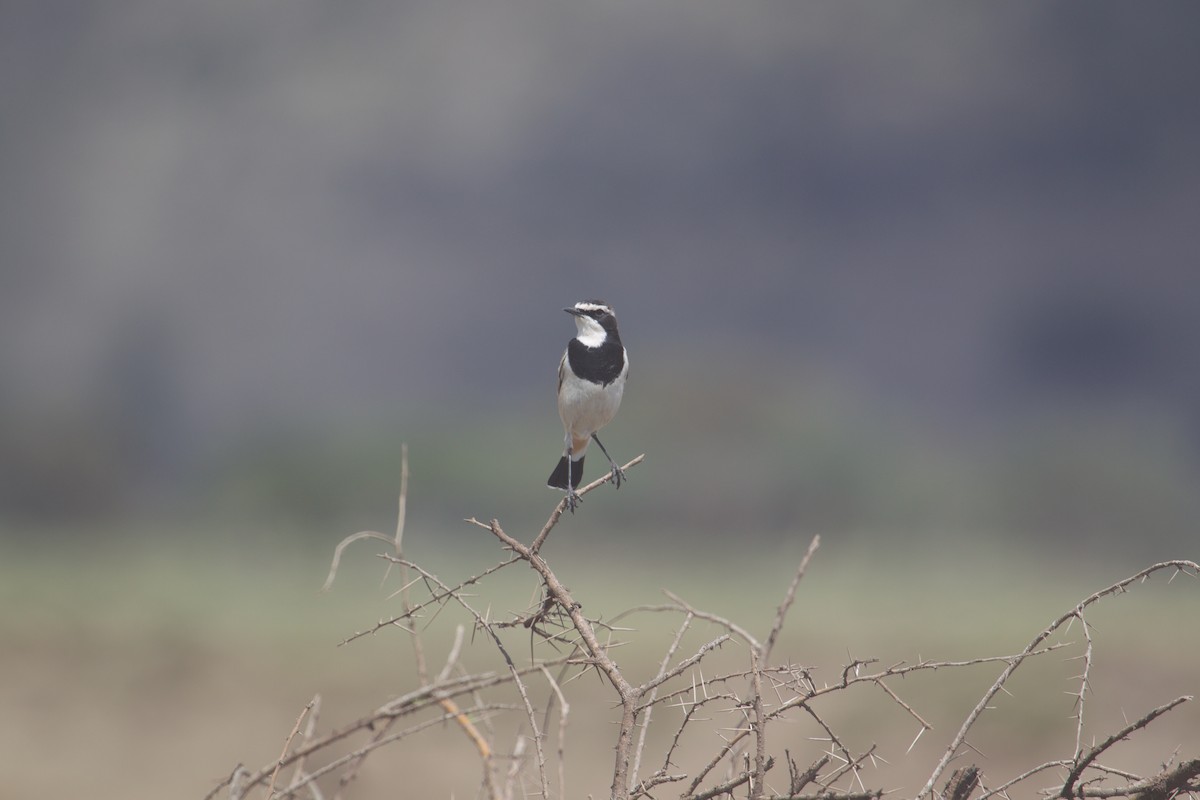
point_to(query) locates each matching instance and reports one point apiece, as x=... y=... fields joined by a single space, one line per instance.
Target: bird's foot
x=618 y=475
x=573 y=500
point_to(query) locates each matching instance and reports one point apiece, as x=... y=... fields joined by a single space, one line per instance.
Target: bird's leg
x=573 y=498
x=618 y=474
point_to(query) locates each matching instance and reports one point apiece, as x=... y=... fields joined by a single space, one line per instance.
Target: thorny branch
x=739 y=707
x=1180 y=566
x=1084 y=760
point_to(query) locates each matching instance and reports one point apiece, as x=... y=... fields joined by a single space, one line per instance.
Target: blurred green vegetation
x=719 y=461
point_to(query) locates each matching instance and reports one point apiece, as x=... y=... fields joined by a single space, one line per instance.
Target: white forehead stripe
x=592 y=307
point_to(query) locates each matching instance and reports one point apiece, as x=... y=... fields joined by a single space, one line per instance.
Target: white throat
x=591 y=333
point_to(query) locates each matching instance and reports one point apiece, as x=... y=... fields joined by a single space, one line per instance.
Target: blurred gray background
x=922 y=278
x=882 y=268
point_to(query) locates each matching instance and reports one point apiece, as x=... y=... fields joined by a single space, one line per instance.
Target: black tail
x=558 y=478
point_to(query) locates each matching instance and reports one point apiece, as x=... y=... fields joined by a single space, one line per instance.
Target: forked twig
x=557 y=513
x=1082 y=762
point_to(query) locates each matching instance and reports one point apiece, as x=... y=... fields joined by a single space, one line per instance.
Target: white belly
x=587 y=407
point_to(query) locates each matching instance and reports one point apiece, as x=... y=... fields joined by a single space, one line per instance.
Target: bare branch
x=728 y=625
x=395 y=542
x=357 y=755
x=1080 y=697
x=555 y=515
x=871 y=795
x=1173 y=783
x=1003 y=788
x=757 y=786
x=648 y=707
x=1087 y=758
x=729 y=785
x=685 y=665
x=788 y=599
x=962 y=783
x=1191 y=567
x=287 y=745
x=564 y=710
x=627 y=693
x=797 y=782
x=342 y=545
x=435 y=599
x=727 y=711
x=310 y=730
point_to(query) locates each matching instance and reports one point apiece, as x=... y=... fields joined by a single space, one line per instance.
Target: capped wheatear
x=591 y=380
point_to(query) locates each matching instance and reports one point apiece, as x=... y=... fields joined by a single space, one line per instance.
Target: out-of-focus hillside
x=242 y=244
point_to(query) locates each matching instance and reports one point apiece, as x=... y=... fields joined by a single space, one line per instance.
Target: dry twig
x=759 y=695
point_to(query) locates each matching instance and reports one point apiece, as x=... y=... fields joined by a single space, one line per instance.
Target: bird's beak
x=575 y=312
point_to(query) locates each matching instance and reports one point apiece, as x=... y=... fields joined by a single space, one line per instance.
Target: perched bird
x=591 y=380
